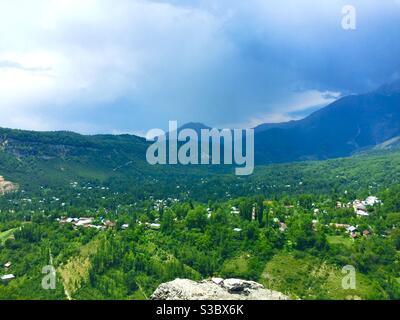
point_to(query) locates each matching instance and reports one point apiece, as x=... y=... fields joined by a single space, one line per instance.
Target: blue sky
x=126 y=66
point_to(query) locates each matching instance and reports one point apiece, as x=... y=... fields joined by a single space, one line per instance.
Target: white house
x=351 y=229
x=362 y=213
x=359 y=208
x=7 y=277
x=84 y=221
x=95 y=227
x=155 y=226
x=371 y=201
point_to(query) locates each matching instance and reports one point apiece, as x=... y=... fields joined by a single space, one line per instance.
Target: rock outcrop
x=215 y=289
x=6 y=186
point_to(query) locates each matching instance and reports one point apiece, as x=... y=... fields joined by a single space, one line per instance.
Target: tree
x=300 y=232
x=246 y=209
x=260 y=210
x=197 y=218
x=167 y=221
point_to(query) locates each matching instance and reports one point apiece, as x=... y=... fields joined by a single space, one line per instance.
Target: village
x=360 y=208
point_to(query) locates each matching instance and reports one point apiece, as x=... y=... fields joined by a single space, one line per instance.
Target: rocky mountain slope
x=6 y=186
x=348 y=125
x=215 y=289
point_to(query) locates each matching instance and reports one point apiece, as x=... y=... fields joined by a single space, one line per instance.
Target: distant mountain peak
x=349 y=124
x=194 y=125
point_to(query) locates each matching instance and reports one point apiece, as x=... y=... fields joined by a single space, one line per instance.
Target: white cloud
x=299 y=102
x=97 y=51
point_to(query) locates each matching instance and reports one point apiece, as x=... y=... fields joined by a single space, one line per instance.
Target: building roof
x=8 y=277
x=362 y=213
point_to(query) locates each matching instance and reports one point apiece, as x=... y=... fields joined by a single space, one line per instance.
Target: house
x=7 y=265
x=282 y=227
x=68 y=220
x=366 y=233
x=340 y=225
x=7 y=277
x=359 y=208
x=95 y=227
x=351 y=229
x=362 y=213
x=358 y=205
x=125 y=226
x=84 y=222
x=237 y=230
x=371 y=201
x=154 y=226
x=109 y=224
x=235 y=210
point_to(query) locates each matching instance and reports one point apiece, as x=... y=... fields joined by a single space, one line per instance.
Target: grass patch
x=76 y=271
x=303 y=276
x=4 y=236
x=340 y=240
x=237 y=267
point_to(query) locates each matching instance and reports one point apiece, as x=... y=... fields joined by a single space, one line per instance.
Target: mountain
x=35 y=160
x=42 y=163
x=196 y=126
x=350 y=125
x=52 y=158
x=393 y=143
x=346 y=126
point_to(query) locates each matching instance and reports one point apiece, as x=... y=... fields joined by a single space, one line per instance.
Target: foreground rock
x=215 y=289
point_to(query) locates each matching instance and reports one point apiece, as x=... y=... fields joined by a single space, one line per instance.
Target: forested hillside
x=114 y=227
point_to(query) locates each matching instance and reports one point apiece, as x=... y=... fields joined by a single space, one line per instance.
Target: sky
x=127 y=66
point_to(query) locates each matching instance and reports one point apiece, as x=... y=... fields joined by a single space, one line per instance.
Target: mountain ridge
x=344 y=127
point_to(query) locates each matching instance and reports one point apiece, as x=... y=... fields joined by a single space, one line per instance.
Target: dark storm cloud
x=129 y=66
